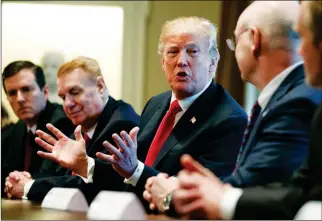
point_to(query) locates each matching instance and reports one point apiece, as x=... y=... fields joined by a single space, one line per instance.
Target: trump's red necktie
x=163 y=132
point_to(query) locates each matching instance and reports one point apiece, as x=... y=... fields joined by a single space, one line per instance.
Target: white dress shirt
x=184 y=104
x=227 y=205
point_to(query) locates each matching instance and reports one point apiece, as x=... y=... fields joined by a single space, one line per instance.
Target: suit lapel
x=102 y=121
x=293 y=79
x=149 y=131
x=188 y=123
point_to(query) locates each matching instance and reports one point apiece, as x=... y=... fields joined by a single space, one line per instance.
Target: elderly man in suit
x=276 y=138
x=98 y=115
x=27 y=92
x=197 y=116
x=201 y=193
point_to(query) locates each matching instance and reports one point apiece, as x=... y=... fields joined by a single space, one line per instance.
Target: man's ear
x=100 y=84
x=256 y=42
x=162 y=63
x=213 y=66
x=46 y=91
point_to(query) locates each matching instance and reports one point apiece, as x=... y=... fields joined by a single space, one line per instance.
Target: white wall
x=93 y=29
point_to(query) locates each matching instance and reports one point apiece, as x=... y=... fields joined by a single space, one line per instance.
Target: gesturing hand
x=199 y=192
x=69 y=153
x=123 y=159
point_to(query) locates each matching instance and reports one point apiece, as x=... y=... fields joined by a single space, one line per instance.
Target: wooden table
x=27 y=210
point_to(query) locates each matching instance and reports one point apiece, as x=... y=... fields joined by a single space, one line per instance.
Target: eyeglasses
x=232 y=43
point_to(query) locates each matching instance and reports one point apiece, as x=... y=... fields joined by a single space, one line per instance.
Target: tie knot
x=175 y=107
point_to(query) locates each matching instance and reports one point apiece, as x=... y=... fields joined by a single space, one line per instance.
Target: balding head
x=275 y=20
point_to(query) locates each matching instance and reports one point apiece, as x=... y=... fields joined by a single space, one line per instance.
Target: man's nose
x=20 y=96
x=68 y=102
x=183 y=59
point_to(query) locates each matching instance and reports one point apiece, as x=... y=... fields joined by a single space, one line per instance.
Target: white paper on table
x=112 y=205
x=67 y=199
x=311 y=210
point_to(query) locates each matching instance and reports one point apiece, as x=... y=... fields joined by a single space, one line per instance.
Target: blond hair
x=87 y=64
x=190 y=25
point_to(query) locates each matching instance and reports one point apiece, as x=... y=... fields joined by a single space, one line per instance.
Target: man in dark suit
x=276 y=138
x=88 y=105
x=27 y=93
x=209 y=123
x=277 y=200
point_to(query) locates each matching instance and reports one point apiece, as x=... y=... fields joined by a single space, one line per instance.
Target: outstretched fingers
x=55 y=131
x=49 y=156
x=45 y=145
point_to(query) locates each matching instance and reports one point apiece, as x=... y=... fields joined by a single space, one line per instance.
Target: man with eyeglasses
x=276 y=138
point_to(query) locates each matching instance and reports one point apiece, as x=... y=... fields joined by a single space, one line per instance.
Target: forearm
x=269 y=203
x=42 y=186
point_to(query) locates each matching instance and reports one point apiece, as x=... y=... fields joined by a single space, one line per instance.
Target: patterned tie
x=28 y=150
x=251 y=121
x=163 y=132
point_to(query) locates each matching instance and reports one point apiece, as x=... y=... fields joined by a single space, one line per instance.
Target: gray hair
x=190 y=25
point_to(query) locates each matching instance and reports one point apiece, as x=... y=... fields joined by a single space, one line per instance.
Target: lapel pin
x=193 y=120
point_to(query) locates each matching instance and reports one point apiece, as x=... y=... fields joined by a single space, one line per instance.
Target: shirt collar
x=186 y=103
x=91 y=131
x=32 y=128
x=272 y=86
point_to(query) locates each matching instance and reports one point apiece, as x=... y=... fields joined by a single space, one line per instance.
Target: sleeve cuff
x=26 y=189
x=136 y=175
x=90 y=171
x=228 y=203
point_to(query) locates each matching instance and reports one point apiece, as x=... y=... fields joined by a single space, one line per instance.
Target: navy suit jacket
x=214 y=139
x=278 y=142
x=280 y=201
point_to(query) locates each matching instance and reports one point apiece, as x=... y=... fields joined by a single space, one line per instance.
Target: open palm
x=69 y=153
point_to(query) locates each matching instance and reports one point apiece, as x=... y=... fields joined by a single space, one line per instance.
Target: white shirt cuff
x=26 y=189
x=227 y=205
x=136 y=175
x=90 y=170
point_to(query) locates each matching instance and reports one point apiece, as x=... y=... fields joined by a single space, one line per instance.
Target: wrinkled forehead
x=186 y=40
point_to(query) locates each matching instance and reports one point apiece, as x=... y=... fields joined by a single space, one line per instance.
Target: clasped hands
x=196 y=191
x=15 y=182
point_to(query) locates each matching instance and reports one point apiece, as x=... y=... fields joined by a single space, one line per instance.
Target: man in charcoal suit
x=27 y=92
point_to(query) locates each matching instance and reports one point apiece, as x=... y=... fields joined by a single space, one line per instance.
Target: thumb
x=78 y=133
x=133 y=134
x=192 y=165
